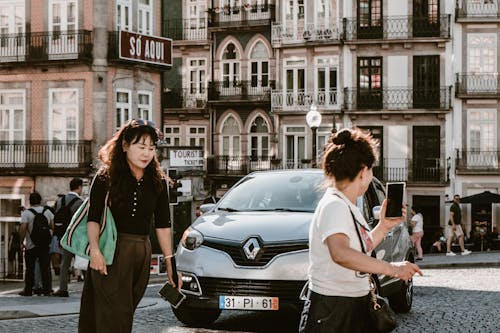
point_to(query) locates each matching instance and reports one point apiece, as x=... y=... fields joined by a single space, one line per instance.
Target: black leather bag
x=382 y=316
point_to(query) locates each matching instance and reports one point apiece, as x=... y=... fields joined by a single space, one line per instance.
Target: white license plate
x=248 y=303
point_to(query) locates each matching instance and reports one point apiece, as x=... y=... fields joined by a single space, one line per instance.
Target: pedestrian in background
x=454 y=228
x=65 y=207
x=32 y=251
x=417 y=221
x=138 y=194
x=338 y=297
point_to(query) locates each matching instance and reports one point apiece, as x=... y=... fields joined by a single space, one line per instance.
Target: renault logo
x=251 y=248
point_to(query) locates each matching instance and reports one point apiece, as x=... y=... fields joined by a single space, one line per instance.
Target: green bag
x=75 y=238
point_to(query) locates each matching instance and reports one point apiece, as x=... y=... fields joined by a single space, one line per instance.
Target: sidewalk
x=13 y=306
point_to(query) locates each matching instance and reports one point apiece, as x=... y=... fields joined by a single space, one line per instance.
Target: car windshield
x=296 y=192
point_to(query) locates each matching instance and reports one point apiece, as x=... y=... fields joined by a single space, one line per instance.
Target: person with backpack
x=37 y=223
x=65 y=207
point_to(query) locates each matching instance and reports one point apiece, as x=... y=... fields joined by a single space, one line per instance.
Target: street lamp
x=313 y=119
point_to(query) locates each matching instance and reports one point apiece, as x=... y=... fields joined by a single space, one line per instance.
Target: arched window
x=230 y=66
x=230 y=137
x=259 y=139
x=259 y=66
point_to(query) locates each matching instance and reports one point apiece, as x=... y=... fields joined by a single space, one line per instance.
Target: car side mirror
x=376 y=212
x=207 y=207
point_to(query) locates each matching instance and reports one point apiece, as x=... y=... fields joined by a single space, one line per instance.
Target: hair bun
x=342 y=137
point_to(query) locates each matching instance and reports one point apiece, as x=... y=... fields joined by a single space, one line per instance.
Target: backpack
x=62 y=216
x=40 y=234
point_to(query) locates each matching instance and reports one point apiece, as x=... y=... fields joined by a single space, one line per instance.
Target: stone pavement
x=13 y=306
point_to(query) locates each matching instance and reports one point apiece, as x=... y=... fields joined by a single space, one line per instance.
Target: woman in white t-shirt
x=417 y=222
x=338 y=298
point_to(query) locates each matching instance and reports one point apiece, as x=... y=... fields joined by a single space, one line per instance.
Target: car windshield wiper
x=228 y=209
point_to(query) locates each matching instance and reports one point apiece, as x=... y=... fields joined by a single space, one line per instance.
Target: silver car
x=250 y=250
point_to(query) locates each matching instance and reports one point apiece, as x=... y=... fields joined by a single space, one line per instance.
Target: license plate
x=248 y=303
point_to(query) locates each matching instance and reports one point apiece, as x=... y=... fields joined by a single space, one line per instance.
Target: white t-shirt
x=419 y=222
x=326 y=277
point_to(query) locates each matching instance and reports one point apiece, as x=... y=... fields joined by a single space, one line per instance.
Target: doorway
x=429 y=206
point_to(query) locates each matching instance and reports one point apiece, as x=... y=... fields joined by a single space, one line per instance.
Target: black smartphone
x=395 y=193
x=172 y=295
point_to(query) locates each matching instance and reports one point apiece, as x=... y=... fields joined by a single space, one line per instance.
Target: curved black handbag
x=381 y=314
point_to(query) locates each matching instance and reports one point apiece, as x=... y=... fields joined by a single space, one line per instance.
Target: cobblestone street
x=446 y=300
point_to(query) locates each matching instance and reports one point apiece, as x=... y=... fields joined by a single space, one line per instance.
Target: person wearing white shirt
x=417 y=222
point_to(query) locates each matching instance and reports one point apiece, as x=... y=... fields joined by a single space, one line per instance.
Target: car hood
x=270 y=226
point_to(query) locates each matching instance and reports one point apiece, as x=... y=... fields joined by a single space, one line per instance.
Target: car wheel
x=196 y=317
x=402 y=300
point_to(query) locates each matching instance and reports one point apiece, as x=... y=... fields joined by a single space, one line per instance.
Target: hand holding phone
x=395 y=194
x=172 y=295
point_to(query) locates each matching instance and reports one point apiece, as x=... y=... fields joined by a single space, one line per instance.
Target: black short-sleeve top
x=135 y=214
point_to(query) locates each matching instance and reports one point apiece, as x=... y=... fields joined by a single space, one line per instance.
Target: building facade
x=64 y=90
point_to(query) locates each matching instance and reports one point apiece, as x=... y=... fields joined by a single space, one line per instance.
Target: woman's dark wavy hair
x=347 y=152
x=114 y=161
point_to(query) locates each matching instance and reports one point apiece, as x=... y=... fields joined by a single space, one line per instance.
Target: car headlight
x=191 y=239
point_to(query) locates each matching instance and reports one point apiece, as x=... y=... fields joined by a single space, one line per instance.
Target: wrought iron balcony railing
x=423 y=170
x=397 y=98
x=49 y=157
x=300 y=100
x=299 y=34
x=185 y=98
x=476 y=160
x=190 y=29
x=253 y=90
x=241 y=16
x=478 y=85
x=46 y=46
x=243 y=165
x=396 y=28
x=477 y=10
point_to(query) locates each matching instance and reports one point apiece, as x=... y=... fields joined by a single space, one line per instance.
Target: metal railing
x=423 y=170
x=186 y=29
x=477 y=9
x=303 y=33
x=241 y=16
x=396 y=28
x=45 y=46
x=397 y=98
x=185 y=98
x=477 y=160
x=242 y=165
x=258 y=90
x=483 y=84
x=27 y=155
x=301 y=99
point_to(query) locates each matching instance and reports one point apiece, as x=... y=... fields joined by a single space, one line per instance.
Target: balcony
x=300 y=100
x=185 y=99
x=478 y=85
x=413 y=171
x=247 y=16
x=477 y=161
x=45 y=158
x=397 y=98
x=243 y=165
x=186 y=30
x=42 y=47
x=397 y=28
x=282 y=35
x=477 y=11
x=240 y=91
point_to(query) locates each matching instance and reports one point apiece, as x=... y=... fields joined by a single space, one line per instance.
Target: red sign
x=145 y=48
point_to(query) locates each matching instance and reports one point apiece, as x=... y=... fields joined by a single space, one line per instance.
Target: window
x=326 y=81
x=370 y=82
x=295 y=146
x=145 y=17
x=63 y=16
x=259 y=66
x=482 y=138
x=482 y=50
x=123 y=107
x=12 y=19
x=123 y=17
x=63 y=104
x=196 y=19
x=259 y=139
x=230 y=71
x=12 y=115
x=144 y=105
x=295 y=80
x=197 y=76
x=197 y=136
x=9 y=207
x=172 y=136
x=230 y=137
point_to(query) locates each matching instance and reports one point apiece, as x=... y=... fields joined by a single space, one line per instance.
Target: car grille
x=285 y=290
x=267 y=253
